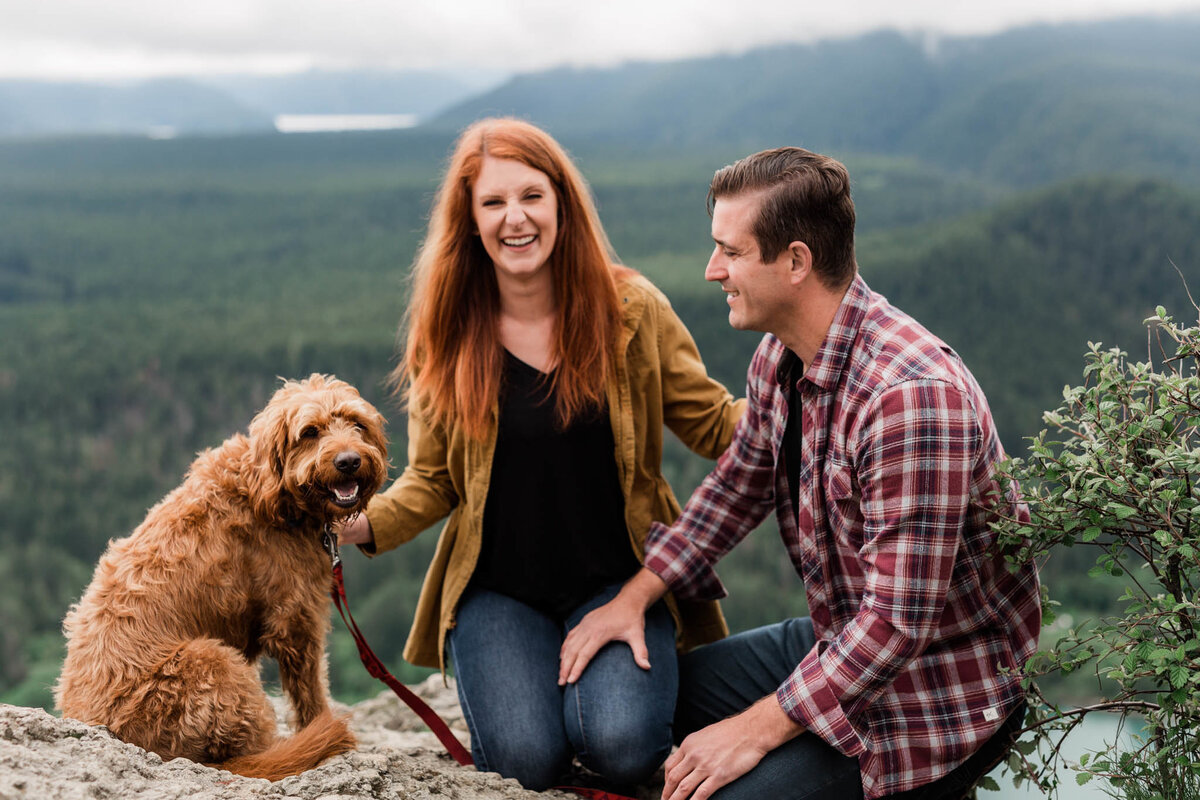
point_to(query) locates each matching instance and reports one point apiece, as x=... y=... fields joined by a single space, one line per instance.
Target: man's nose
x=715 y=271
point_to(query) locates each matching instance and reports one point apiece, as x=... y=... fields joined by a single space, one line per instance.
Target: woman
x=538 y=375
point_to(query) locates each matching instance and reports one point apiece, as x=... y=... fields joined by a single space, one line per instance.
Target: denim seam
x=476 y=740
x=584 y=749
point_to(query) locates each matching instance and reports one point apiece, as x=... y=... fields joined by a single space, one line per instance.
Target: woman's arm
x=423 y=494
x=696 y=407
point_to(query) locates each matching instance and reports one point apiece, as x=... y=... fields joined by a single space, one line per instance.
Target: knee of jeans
x=625 y=754
x=535 y=768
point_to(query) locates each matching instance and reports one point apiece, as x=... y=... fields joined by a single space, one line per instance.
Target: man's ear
x=802 y=262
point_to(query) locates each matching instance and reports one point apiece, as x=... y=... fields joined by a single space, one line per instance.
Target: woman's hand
x=357 y=530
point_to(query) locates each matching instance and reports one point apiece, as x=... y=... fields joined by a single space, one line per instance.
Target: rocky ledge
x=43 y=757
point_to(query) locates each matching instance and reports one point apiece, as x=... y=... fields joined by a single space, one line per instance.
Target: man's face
x=755 y=290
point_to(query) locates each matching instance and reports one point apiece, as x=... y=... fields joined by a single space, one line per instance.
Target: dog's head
x=318 y=451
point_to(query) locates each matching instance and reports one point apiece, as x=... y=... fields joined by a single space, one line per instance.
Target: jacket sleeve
x=697 y=408
x=423 y=494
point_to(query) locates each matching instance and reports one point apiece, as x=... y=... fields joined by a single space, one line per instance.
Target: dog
x=164 y=644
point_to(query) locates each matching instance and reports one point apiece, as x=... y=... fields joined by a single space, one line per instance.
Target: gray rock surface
x=43 y=757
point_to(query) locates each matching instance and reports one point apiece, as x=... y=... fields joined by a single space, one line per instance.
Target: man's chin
x=738 y=323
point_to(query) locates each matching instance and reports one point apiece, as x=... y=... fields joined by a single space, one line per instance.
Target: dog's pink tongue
x=347 y=490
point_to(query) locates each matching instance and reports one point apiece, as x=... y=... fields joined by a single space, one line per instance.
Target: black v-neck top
x=554 y=529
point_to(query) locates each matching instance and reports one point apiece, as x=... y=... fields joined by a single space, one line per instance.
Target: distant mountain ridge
x=161 y=107
x=227 y=104
x=1025 y=107
x=422 y=93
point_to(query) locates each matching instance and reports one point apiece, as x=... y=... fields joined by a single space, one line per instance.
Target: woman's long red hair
x=450 y=367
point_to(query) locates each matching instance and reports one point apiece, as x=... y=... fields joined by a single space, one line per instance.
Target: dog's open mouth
x=345 y=494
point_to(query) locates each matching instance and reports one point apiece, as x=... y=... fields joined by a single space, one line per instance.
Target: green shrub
x=1118 y=471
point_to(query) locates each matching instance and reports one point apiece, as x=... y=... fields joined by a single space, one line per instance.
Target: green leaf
x=1082 y=777
x=1121 y=511
x=988 y=783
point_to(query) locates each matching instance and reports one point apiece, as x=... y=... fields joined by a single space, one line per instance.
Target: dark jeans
x=616 y=719
x=726 y=677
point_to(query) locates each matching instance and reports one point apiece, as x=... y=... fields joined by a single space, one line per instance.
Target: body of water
x=316 y=123
x=1093 y=734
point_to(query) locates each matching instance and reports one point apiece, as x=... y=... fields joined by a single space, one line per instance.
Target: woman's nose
x=514 y=214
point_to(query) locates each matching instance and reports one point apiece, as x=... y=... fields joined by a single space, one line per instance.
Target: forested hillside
x=152 y=292
x=1025 y=201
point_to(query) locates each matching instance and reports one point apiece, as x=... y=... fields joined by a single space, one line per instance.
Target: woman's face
x=516 y=214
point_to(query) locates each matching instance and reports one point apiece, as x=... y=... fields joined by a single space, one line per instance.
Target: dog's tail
x=326 y=736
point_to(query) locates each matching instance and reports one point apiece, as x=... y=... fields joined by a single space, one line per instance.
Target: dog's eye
x=360 y=426
x=309 y=433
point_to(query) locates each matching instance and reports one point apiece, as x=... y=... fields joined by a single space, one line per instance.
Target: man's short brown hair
x=806 y=198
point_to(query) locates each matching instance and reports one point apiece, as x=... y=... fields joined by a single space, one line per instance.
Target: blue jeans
x=616 y=718
x=726 y=677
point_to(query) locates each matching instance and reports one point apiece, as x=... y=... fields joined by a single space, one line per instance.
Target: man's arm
x=622 y=619
x=728 y=504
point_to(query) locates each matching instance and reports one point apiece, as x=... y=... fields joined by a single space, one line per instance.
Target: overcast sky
x=114 y=39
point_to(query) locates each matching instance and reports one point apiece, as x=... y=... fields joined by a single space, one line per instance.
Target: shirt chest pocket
x=842 y=502
x=840 y=484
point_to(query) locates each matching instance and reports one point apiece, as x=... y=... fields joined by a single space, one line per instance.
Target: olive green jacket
x=658 y=379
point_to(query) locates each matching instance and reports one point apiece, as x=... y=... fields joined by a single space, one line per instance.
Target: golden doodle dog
x=164 y=644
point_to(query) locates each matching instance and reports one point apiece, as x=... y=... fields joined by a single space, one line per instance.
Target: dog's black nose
x=347 y=461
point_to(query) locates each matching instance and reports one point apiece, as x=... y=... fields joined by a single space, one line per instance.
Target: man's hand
x=725 y=751
x=622 y=619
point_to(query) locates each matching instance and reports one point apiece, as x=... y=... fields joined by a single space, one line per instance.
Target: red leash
x=377 y=670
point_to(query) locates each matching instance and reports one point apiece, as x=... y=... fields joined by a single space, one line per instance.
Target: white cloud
x=128 y=38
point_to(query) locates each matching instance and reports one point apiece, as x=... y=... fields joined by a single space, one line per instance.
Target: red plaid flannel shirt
x=915 y=615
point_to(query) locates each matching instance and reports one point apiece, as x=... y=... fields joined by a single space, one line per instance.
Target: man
x=876 y=449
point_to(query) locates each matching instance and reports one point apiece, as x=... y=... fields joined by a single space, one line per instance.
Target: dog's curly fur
x=164 y=644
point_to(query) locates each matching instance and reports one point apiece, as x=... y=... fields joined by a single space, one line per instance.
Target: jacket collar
x=632 y=304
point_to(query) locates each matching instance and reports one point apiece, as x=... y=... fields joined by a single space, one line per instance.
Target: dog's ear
x=377 y=430
x=269 y=431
